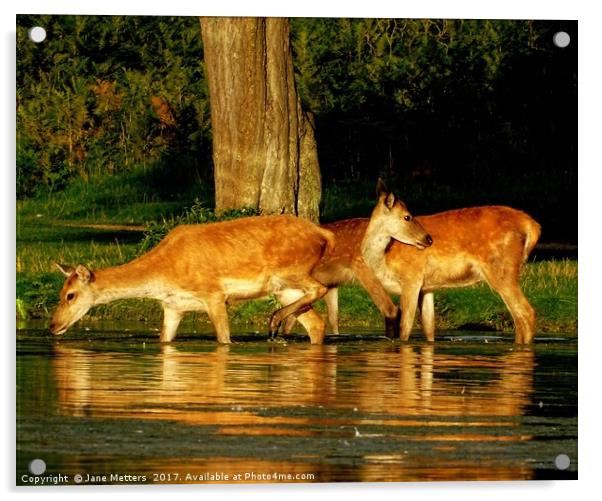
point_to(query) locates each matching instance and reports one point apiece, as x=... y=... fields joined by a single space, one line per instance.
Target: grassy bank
x=145 y=194
x=551 y=286
x=151 y=194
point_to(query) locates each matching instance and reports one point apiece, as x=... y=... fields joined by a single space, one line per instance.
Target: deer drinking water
x=204 y=267
x=469 y=246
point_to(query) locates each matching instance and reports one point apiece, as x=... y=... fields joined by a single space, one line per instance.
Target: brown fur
x=203 y=267
x=390 y=220
x=470 y=245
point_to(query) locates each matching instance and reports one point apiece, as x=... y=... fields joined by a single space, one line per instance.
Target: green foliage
x=105 y=94
x=113 y=115
x=452 y=101
x=198 y=213
x=343 y=64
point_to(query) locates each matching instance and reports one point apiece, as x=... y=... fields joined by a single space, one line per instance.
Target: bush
x=105 y=94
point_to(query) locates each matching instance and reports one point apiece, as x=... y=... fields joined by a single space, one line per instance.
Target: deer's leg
x=427 y=314
x=380 y=297
x=409 y=303
x=216 y=309
x=309 y=319
x=289 y=323
x=522 y=313
x=171 y=320
x=313 y=290
x=311 y=322
x=314 y=325
x=392 y=325
x=505 y=281
x=331 y=298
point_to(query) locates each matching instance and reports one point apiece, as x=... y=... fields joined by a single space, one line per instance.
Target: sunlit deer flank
x=471 y=245
x=364 y=261
x=204 y=267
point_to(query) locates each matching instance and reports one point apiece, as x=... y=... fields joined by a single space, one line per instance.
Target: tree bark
x=264 y=148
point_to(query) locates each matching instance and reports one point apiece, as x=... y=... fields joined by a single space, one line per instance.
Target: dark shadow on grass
x=476 y=326
x=55 y=233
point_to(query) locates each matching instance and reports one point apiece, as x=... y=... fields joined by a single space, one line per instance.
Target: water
x=359 y=408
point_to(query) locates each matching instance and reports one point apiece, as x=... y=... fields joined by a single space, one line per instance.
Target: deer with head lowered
x=204 y=267
x=471 y=245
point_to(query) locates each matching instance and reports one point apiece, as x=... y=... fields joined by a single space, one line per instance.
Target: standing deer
x=470 y=246
x=361 y=257
x=204 y=267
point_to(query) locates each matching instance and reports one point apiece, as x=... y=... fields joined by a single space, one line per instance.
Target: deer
x=204 y=267
x=363 y=261
x=480 y=244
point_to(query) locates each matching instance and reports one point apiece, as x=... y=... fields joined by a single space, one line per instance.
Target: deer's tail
x=532 y=232
x=330 y=239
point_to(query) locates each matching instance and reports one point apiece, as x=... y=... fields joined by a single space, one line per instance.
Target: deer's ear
x=65 y=269
x=83 y=273
x=381 y=188
x=390 y=200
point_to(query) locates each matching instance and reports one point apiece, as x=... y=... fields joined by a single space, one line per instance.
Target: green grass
x=145 y=194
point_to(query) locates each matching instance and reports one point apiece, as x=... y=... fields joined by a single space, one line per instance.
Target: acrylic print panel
x=128 y=127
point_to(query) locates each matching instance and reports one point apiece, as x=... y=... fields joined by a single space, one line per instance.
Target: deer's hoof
x=391 y=328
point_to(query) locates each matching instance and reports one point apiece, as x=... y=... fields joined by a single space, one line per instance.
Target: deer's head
x=76 y=297
x=393 y=219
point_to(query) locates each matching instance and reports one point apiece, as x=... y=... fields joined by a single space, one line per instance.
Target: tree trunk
x=264 y=149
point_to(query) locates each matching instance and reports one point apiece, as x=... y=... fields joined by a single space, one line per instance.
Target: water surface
x=359 y=408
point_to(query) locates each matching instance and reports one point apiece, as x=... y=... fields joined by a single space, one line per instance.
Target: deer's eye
x=70 y=296
x=407 y=218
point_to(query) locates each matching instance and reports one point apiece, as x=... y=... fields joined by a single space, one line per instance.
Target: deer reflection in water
x=318 y=391
x=190 y=386
x=430 y=382
x=398 y=381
